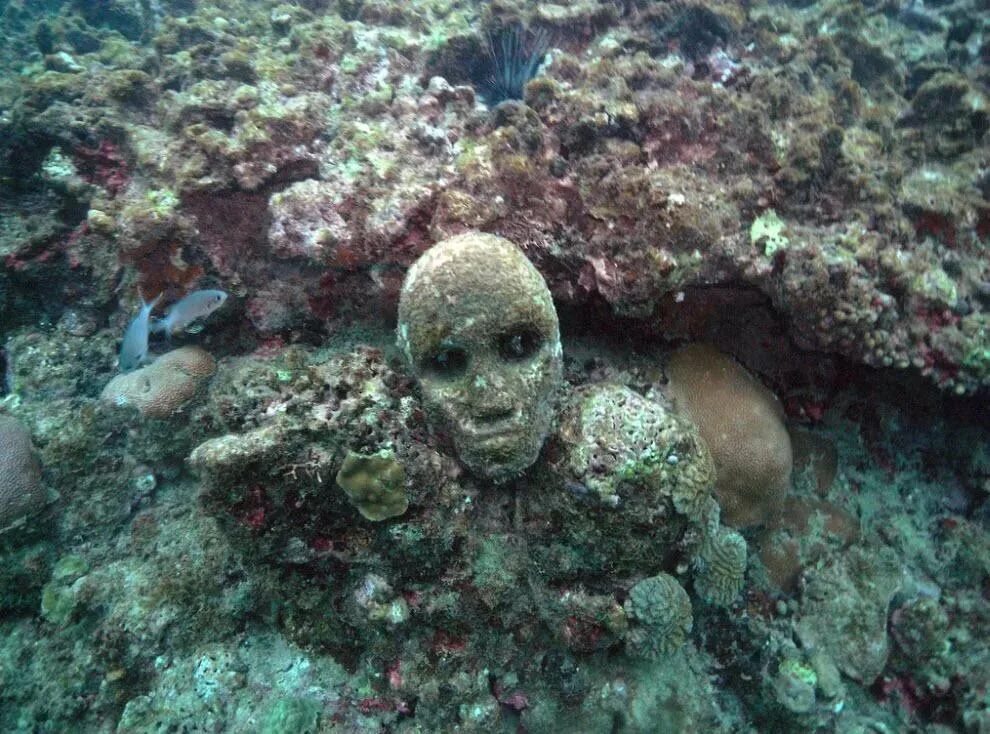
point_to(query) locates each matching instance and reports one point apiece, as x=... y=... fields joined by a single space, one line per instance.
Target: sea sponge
x=21 y=490
x=375 y=484
x=661 y=610
x=163 y=387
x=743 y=424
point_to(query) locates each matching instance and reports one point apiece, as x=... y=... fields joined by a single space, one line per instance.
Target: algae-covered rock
x=375 y=484
x=844 y=610
x=59 y=598
x=291 y=716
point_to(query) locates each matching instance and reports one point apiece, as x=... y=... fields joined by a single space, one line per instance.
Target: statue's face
x=478 y=326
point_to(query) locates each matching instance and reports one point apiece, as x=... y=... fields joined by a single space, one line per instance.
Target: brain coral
x=662 y=610
x=721 y=566
x=163 y=387
x=743 y=424
x=21 y=490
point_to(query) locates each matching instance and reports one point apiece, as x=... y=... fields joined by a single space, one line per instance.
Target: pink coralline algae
x=103 y=165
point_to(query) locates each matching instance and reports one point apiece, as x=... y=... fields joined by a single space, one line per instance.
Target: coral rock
x=163 y=387
x=743 y=424
x=845 y=610
x=614 y=436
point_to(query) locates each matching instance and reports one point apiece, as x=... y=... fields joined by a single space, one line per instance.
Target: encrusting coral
x=375 y=484
x=743 y=424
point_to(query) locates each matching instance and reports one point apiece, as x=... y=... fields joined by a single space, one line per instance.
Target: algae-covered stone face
x=478 y=327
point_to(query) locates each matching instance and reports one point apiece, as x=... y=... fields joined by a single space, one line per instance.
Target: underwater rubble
x=728 y=279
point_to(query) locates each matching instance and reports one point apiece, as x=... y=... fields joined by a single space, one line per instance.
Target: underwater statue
x=478 y=327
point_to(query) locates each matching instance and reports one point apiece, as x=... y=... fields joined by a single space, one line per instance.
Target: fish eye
x=519 y=343
x=447 y=362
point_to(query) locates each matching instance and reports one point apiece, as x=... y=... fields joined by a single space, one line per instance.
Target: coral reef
x=801 y=184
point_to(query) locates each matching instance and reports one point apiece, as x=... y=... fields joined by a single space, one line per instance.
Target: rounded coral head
x=478 y=327
x=743 y=424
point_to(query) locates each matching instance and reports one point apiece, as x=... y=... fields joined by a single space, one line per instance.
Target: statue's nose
x=490 y=398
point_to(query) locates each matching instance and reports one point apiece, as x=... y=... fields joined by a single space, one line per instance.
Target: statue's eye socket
x=447 y=362
x=519 y=344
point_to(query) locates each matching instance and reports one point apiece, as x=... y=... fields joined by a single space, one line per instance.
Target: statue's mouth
x=501 y=426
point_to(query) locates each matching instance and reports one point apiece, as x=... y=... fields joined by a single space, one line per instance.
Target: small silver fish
x=134 y=348
x=182 y=313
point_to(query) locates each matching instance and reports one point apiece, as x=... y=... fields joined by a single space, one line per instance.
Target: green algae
x=767 y=230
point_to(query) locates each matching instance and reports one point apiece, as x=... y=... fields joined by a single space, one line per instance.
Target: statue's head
x=479 y=329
